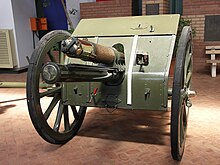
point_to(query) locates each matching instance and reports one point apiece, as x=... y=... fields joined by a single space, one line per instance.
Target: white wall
x=6 y=16
x=15 y=14
x=22 y=11
x=73 y=8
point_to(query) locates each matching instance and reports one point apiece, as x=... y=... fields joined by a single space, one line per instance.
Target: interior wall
x=7 y=22
x=197 y=17
x=22 y=11
x=15 y=15
x=6 y=16
x=163 y=6
x=103 y=9
x=73 y=8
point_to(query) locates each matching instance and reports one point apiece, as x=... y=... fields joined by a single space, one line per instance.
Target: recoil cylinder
x=89 y=51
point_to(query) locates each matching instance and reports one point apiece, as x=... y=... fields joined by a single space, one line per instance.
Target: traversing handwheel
x=180 y=100
x=55 y=122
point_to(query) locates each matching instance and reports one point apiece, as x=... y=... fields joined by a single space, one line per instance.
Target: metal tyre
x=54 y=121
x=181 y=85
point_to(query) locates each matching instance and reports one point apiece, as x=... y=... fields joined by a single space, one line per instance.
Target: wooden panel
x=212 y=47
x=212 y=52
x=212 y=61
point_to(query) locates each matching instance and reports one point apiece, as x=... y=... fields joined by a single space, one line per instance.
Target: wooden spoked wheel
x=181 y=86
x=55 y=121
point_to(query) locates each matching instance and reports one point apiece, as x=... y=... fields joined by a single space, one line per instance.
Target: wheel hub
x=50 y=73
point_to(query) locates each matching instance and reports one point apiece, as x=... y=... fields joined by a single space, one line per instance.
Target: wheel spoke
x=66 y=118
x=181 y=127
x=183 y=122
x=58 y=117
x=188 y=61
x=61 y=55
x=51 y=106
x=75 y=113
x=51 y=91
x=51 y=56
x=188 y=78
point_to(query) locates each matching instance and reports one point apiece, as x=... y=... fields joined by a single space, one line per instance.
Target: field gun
x=119 y=62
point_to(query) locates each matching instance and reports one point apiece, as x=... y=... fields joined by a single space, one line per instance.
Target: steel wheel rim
x=184 y=112
x=181 y=85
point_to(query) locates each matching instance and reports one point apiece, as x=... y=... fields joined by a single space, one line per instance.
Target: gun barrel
x=89 y=51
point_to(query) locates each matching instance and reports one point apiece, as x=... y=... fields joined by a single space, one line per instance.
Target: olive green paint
x=149 y=83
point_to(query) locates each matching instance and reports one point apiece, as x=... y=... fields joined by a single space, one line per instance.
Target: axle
x=53 y=73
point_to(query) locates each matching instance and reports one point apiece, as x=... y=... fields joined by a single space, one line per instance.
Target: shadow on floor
x=139 y=126
x=4 y=108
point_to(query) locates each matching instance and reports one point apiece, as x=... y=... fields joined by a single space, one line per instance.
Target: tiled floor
x=122 y=137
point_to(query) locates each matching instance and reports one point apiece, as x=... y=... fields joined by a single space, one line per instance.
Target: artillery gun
x=110 y=63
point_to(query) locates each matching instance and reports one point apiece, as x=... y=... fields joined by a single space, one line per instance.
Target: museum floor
x=122 y=137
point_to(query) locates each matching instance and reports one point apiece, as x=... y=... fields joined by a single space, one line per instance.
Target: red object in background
x=38 y=24
x=33 y=24
x=42 y=25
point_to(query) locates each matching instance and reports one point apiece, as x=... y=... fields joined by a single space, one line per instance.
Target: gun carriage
x=112 y=62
